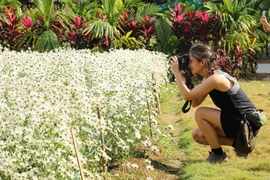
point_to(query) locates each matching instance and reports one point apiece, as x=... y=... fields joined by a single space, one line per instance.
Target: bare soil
x=165 y=164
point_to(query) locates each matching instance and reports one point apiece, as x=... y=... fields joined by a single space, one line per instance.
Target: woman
x=216 y=127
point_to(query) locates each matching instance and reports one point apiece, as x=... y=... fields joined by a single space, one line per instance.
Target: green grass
x=257 y=166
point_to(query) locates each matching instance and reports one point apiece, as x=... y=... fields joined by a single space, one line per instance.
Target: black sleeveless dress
x=234 y=104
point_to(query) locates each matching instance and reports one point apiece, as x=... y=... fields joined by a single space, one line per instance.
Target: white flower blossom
x=43 y=95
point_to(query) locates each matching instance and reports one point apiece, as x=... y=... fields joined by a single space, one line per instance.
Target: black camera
x=183 y=61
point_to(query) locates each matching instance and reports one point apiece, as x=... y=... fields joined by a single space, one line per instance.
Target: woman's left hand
x=175 y=68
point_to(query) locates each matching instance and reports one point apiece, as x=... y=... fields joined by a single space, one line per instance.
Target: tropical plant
x=127 y=42
x=265 y=4
x=27 y=4
x=191 y=27
x=166 y=41
x=83 y=8
x=47 y=40
x=9 y=30
x=148 y=10
x=237 y=23
x=141 y=23
x=13 y=3
x=105 y=25
x=132 y=4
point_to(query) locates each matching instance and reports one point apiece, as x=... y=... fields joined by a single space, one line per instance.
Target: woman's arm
x=199 y=92
x=198 y=101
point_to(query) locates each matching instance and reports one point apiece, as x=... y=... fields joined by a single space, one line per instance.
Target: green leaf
x=100 y=29
x=47 y=42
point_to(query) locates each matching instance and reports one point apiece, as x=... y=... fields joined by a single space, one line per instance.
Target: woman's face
x=194 y=65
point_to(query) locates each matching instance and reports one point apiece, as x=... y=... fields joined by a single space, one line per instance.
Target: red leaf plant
x=9 y=29
x=77 y=37
x=194 y=26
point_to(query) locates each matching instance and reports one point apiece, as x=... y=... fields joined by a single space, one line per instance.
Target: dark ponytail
x=201 y=51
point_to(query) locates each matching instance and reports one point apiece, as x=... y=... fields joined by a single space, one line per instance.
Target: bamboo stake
x=102 y=143
x=157 y=95
x=150 y=121
x=77 y=153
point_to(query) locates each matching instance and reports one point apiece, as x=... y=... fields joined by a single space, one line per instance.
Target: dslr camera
x=183 y=61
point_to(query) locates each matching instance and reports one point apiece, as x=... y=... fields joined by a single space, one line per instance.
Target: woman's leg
x=223 y=140
x=209 y=128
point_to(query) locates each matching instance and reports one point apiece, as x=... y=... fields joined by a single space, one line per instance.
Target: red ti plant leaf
x=128 y=24
x=77 y=21
x=10 y=15
x=147 y=32
x=124 y=16
x=9 y=31
x=200 y=24
x=71 y=36
x=76 y=35
x=27 y=21
x=107 y=42
x=147 y=19
x=238 y=53
x=148 y=29
x=178 y=19
x=202 y=15
x=133 y=24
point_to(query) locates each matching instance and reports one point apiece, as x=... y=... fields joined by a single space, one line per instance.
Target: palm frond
x=238 y=38
x=132 y=4
x=47 y=42
x=127 y=42
x=162 y=29
x=265 y=4
x=148 y=10
x=46 y=8
x=113 y=9
x=167 y=42
x=101 y=29
x=84 y=8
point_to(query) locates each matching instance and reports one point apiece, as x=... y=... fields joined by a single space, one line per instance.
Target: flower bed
x=43 y=95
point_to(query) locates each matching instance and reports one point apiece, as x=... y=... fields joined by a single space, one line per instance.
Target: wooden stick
x=77 y=153
x=157 y=95
x=102 y=143
x=149 y=116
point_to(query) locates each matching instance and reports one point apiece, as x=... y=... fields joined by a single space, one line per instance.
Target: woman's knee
x=199 y=113
x=197 y=134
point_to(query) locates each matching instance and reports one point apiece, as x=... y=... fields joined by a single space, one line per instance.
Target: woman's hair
x=201 y=51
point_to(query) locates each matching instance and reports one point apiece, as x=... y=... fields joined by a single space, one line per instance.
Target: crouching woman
x=216 y=126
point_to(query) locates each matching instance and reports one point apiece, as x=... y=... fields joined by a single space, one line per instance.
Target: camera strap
x=186 y=107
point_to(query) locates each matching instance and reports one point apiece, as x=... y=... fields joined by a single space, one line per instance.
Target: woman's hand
x=175 y=69
x=175 y=65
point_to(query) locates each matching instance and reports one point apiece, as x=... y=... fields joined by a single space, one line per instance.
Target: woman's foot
x=212 y=158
